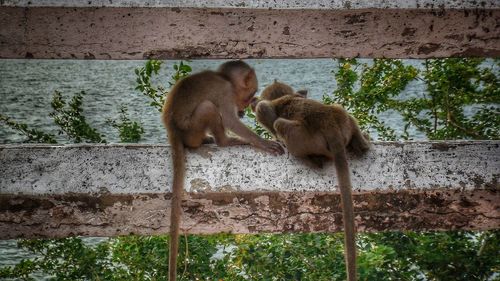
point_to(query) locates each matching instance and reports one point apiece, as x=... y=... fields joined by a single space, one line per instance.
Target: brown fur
x=207 y=102
x=317 y=133
x=276 y=90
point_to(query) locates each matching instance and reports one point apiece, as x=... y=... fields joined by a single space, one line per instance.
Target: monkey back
x=190 y=91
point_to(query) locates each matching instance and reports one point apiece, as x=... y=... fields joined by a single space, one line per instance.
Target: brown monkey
x=202 y=103
x=316 y=133
x=277 y=90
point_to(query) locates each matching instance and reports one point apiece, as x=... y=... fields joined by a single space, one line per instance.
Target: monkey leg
x=360 y=142
x=206 y=117
x=317 y=161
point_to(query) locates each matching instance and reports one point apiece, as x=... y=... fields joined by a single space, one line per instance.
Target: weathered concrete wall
x=245 y=212
x=106 y=190
x=263 y=4
x=139 y=32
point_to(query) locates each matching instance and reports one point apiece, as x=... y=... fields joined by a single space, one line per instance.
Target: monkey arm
x=233 y=123
x=266 y=115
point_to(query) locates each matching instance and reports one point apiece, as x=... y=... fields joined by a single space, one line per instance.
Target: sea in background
x=27 y=86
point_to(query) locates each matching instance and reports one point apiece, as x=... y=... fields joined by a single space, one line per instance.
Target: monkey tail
x=179 y=164
x=344 y=179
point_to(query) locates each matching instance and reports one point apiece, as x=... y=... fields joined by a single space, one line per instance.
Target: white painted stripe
x=263 y=4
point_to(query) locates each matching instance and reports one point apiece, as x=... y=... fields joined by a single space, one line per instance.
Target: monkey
x=277 y=90
x=199 y=109
x=316 y=133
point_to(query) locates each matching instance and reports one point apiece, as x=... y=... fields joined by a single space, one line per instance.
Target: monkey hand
x=272 y=147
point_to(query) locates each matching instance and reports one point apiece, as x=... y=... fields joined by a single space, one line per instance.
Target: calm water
x=27 y=87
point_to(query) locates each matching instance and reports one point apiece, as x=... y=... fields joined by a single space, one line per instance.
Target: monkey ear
x=303 y=93
x=249 y=79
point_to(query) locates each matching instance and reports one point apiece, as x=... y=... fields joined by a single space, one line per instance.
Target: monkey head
x=244 y=81
x=276 y=91
x=246 y=92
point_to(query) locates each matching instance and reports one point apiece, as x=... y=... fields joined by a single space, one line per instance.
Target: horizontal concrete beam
x=48 y=169
x=28 y=216
x=262 y=4
x=107 y=190
x=139 y=33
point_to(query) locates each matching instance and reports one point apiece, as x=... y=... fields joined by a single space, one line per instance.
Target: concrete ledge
x=263 y=4
x=118 y=169
x=139 y=33
x=107 y=190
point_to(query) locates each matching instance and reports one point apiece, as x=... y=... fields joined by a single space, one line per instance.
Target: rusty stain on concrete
x=31 y=216
x=199 y=185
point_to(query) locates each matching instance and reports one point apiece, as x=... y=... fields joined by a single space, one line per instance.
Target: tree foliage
x=157 y=93
x=71 y=121
x=129 y=131
x=69 y=117
x=32 y=135
x=460 y=102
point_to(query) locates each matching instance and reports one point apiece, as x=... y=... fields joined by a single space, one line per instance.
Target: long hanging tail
x=345 y=186
x=179 y=164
